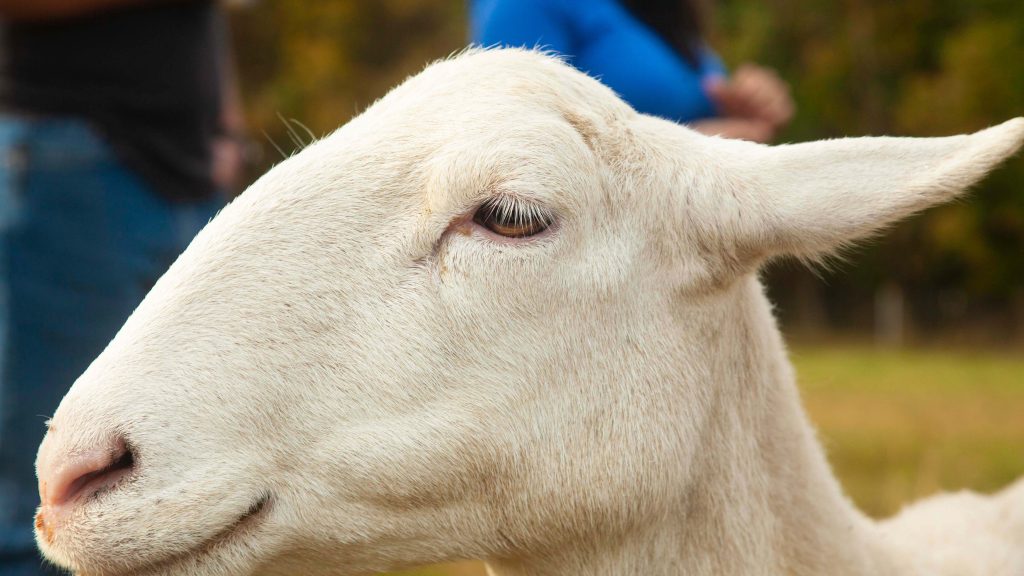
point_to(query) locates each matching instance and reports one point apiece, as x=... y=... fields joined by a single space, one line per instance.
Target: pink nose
x=68 y=476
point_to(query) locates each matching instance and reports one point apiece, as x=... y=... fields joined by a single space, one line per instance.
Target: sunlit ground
x=899 y=425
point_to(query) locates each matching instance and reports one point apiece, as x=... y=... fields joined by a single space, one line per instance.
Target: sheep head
x=482 y=318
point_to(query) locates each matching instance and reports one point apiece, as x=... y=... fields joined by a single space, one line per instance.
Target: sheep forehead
x=496 y=81
x=460 y=128
x=494 y=94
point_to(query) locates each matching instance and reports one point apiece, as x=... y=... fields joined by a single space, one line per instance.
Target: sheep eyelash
x=516 y=211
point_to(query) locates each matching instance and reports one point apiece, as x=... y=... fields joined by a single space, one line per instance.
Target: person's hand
x=754 y=104
x=738 y=128
x=228 y=162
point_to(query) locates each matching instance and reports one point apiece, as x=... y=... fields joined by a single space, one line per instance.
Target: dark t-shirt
x=146 y=76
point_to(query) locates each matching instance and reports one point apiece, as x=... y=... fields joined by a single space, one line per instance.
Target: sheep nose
x=68 y=476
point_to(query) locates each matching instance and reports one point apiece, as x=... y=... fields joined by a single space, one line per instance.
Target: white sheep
x=501 y=315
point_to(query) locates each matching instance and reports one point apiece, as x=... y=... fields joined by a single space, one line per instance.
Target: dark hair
x=679 y=23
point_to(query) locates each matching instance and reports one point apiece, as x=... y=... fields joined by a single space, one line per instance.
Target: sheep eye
x=512 y=218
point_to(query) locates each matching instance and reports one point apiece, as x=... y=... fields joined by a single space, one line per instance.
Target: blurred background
x=910 y=351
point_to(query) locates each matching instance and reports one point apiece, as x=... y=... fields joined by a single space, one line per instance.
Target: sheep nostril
x=83 y=474
x=92 y=482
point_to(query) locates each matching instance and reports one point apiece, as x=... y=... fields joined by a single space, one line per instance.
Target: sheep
x=500 y=315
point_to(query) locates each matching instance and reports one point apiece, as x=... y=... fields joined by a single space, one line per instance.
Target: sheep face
x=479 y=320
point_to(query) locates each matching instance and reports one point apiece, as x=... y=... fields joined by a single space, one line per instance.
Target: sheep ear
x=810 y=199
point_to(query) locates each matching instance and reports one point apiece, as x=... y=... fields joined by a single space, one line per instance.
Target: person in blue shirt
x=651 y=52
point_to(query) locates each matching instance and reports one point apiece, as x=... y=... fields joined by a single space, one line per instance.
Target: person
x=651 y=52
x=117 y=120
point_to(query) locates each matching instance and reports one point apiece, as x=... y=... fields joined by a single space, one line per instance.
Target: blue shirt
x=604 y=39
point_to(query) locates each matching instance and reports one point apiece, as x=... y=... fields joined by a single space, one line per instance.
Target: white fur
x=612 y=397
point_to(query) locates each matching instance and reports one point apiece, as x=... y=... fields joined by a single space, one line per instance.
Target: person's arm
x=41 y=10
x=737 y=128
x=229 y=145
x=522 y=23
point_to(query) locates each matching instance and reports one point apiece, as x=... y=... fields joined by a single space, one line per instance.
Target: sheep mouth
x=243 y=525
x=251 y=516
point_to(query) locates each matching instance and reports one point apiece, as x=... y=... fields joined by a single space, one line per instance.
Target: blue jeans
x=82 y=239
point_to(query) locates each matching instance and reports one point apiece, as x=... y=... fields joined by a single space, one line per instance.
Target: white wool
x=610 y=398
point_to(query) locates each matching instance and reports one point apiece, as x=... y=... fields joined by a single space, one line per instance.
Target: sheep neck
x=764 y=500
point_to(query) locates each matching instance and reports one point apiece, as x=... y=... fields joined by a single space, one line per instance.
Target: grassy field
x=899 y=425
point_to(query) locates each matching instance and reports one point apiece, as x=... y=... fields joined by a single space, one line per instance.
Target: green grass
x=899 y=425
